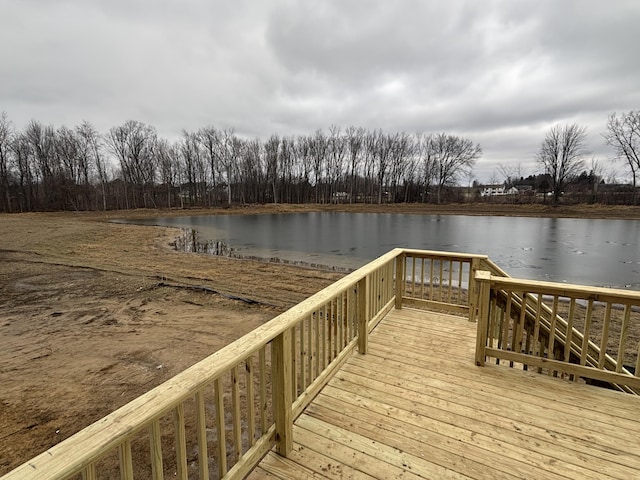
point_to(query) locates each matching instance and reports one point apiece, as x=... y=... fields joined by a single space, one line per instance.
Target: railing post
x=484 y=280
x=282 y=393
x=363 y=310
x=400 y=279
x=473 y=298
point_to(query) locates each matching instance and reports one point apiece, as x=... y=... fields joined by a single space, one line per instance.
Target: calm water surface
x=592 y=252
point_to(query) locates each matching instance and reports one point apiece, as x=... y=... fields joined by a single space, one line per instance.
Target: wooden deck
x=416 y=407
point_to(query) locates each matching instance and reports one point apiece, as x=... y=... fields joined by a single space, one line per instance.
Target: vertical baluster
x=303 y=357
x=310 y=348
x=181 y=442
x=431 y=279
x=450 y=276
x=413 y=276
x=505 y=324
x=537 y=342
x=89 y=472
x=126 y=461
x=333 y=305
x=294 y=363
x=520 y=329
x=352 y=312
x=235 y=407
x=498 y=319
x=317 y=325
x=637 y=373
x=440 y=296
x=339 y=329
x=325 y=335
x=508 y=322
x=251 y=402
x=460 y=268
x=624 y=332
x=492 y=338
x=605 y=336
x=569 y=335
x=221 y=427
x=422 y=278
x=156 y=451
x=345 y=316
x=201 y=432
x=552 y=334
x=587 y=329
x=262 y=359
x=329 y=332
x=374 y=291
x=405 y=269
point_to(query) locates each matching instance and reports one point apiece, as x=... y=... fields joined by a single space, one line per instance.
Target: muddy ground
x=87 y=323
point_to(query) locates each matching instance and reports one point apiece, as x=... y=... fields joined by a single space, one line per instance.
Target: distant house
x=497 y=190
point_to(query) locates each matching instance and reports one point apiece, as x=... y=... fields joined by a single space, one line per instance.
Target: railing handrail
x=569 y=290
x=439 y=253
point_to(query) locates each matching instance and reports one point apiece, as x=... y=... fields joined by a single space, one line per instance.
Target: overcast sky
x=498 y=72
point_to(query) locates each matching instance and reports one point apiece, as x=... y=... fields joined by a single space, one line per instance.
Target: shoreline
x=596 y=211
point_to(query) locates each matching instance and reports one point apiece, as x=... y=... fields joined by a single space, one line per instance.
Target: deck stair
x=529 y=331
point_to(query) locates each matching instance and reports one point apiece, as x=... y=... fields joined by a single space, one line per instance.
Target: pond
x=586 y=251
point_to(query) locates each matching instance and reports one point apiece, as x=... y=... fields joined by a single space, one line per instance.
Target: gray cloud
x=499 y=72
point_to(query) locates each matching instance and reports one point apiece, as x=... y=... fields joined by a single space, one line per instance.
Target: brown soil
x=85 y=325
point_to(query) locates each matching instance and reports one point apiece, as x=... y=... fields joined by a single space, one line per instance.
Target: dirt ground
x=85 y=325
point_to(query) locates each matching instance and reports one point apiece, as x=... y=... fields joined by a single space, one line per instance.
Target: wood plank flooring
x=417 y=407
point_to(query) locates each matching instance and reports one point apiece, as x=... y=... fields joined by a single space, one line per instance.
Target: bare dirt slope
x=85 y=326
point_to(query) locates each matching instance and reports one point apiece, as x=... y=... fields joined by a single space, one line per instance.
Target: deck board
x=417 y=407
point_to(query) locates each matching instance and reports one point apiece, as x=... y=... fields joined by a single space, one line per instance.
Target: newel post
x=400 y=279
x=363 y=309
x=282 y=392
x=484 y=280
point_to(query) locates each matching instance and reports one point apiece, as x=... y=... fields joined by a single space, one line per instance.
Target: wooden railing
x=438 y=281
x=220 y=416
x=560 y=329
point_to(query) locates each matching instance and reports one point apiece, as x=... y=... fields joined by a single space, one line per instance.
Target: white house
x=497 y=190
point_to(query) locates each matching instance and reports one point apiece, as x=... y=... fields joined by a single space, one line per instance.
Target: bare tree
x=272 y=152
x=453 y=156
x=423 y=152
x=190 y=152
x=229 y=148
x=209 y=139
x=318 y=148
x=42 y=141
x=336 y=151
x=401 y=149
x=355 y=143
x=133 y=144
x=511 y=173
x=561 y=154
x=26 y=172
x=623 y=134
x=6 y=138
x=383 y=149
x=92 y=156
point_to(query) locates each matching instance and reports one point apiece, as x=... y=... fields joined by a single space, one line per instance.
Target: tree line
x=562 y=152
x=130 y=166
